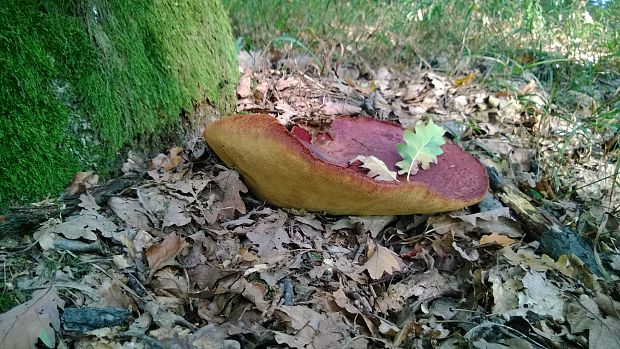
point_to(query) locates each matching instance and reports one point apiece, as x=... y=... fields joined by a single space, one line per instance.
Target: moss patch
x=82 y=79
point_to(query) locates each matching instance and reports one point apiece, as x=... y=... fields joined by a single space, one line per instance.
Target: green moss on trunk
x=82 y=79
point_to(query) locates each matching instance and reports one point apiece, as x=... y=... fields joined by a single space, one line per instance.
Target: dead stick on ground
x=556 y=239
x=23 y=219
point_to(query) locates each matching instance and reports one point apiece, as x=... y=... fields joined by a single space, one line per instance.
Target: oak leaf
x=160 y=255
x=378 y=169
x=381 y=260
x=420 y=148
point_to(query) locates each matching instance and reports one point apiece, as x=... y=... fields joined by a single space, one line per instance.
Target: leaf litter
x=202 y=263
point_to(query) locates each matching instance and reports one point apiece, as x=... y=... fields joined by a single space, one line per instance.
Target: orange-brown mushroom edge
x=286 y=170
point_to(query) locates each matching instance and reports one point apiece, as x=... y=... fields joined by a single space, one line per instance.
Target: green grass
x=574 y=41
x=388 y=31
x=82 y=79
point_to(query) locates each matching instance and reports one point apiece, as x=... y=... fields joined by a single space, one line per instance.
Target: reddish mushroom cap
x=286 y=170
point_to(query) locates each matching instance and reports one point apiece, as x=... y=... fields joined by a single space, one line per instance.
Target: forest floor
x=187 y=257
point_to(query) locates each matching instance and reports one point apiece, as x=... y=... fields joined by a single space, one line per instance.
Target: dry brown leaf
x=378 y=170
x=176 y=214
x=371 y=224
x=256 y=292
x=88 y=202
x=381 y=260
x=313 y=330
x=528 y=88
x=160 y=255
x=167 y=162
x=205 y=276
x=466 y=80
x=341 y=299
x=231 y=185
x=131 y=212
x=427 y=285
x=164 y=279
x=82 y=226
x=244 y=90
x=111 y=294
x=340 y=108
x=37 y=319
x=498 y=239
x=269 y=234
x=81 y=181
x=288 y=82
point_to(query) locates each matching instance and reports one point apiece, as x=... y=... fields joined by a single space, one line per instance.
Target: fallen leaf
x=269 y=234
x=464 y=81
x=288 y=82
x=528 y=88
x=176 y=214
x=604 y=332
x=82 y=226
x=160 y=255
x=505 y=292
x=370 y=224
x=381 y=260
x=38 y=319
x=498 y=239
x=541 y=297
x=244 y=89
x=88 y=203
x=427 y=285
x=175 y=284
x=491 y=215
x=340 y=108
x=256 y=292
x=231 y=185
x=378 y=169
x=81 y=181
x=131 y=212
x=134 y=166
x=167 y=162
x=472 y=256
x=313 y=330
x=111 y=294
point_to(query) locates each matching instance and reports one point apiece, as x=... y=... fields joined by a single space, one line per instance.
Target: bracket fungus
x=286 y=169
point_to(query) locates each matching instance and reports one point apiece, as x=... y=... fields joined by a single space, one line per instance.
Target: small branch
x=24 y=219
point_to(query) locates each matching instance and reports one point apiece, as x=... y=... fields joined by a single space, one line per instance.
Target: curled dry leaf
x=81 y=181
x=498 y=239
x=168 y=162
x=464 y=81
x=244 y=89
x=381 y=260
x=160 y=255
x=378 y=169
x=340 y=108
